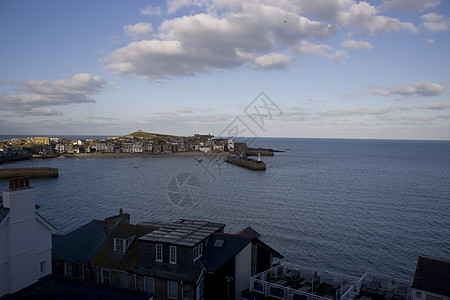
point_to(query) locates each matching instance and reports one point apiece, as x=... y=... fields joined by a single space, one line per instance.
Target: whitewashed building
x=25 y=239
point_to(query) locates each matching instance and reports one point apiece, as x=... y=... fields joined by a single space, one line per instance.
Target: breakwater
x=39 y=172
x=248 y=163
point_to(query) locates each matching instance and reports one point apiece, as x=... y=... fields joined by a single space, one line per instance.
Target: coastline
x=146 y=154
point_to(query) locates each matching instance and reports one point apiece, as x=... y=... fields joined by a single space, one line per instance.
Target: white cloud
x=218 y=41
x=174 y=5
x=141 y=29
x=273 y=61
x=221 y=35
x=364 y=17
x=423 y=88
x=358 y=15
x=322 y=50
x=429 y=42
x=385 y=110
x=435 y=23
x=357 y=45
x=150 y=11
x=410 y=5
x=37 y=112
x=37 y=93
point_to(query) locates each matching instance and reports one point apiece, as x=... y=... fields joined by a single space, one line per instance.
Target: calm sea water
x=348 y=206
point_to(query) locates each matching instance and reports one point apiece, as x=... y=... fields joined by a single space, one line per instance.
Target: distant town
x=137 y=142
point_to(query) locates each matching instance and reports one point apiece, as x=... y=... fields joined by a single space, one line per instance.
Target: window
x=42 y=265
x=418 y=295
x=173 y=255
x=77 y=270
x=172 y=289
x=125 y=280
x=198 y=251
x=105 y=276
x=159 y=253
x=119 y=246
x=149 y=284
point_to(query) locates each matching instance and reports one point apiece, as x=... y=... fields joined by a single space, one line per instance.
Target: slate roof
x=183 y=232
x=54 y=287
x=432 y=275
x=249 y=231
x=80 y=245
x=215 y=256
x=106 y=257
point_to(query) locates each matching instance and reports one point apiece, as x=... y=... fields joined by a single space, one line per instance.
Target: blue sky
x=273 y=68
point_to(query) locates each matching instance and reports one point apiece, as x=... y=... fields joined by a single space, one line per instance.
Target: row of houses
x=126 y=145
x=186 y=259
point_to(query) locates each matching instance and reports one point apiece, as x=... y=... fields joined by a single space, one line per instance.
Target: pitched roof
x=80 y=245
x=249 y=231
x=183 y=232
x=221 y=248
x=106 y=257
x=432 y=275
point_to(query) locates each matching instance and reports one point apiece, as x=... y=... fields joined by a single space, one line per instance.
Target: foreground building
x=186 y=259
x=25 y=239
x=431 y=280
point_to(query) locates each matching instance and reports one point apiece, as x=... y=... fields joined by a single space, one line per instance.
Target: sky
x=256 y=68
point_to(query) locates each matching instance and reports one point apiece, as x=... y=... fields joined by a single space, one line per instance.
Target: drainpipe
x=182 y=290
x=135 y=282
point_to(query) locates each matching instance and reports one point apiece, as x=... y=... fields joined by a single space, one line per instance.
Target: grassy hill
x=147 y=135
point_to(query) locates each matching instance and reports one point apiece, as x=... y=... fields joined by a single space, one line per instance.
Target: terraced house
x=186 y=259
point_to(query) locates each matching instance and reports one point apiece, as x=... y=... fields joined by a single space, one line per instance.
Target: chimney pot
x=19 y=182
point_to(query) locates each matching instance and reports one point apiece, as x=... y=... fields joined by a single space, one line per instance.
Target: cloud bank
x=423 y=88
x=264 y=34
x=28 y=97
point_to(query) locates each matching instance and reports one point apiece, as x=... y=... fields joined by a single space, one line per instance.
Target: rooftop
x=221 y=248
x=432 y=275
x=182 y=232
x=80 y=245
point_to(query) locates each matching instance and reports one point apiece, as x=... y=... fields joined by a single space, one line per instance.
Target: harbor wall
x=39 y=172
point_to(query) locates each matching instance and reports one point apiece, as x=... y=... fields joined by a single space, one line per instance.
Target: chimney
x=112 y=222
x=19 y=182
x=20 y=199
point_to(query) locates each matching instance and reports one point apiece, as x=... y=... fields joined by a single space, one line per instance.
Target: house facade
x=25 y=239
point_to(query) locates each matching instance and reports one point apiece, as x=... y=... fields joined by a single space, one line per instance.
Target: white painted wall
x=25 y=240
x=243 y=266
x=5 y=282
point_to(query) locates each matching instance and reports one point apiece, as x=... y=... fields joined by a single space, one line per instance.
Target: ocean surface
x=348 y=206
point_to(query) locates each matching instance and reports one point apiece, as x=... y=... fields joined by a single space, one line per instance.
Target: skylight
x=218 y=243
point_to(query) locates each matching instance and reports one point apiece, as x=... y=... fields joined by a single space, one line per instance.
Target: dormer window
x=197 y=251
x=121 y=245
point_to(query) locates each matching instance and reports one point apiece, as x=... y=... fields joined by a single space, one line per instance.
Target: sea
x=343 y=205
